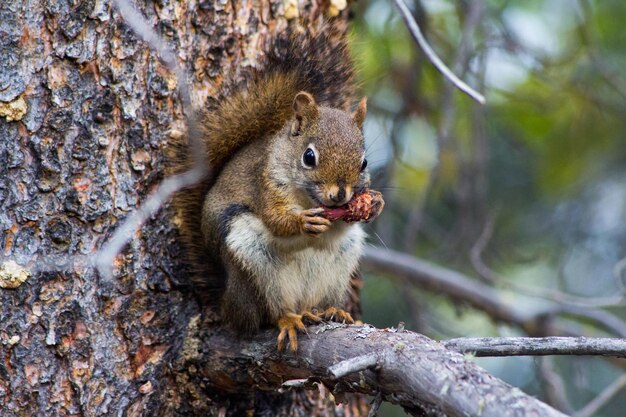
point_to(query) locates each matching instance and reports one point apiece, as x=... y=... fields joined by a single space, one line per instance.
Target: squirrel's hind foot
x=289 y=324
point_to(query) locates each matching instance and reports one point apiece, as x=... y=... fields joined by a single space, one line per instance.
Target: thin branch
x=567 y=299
x=605 y=319
x=459 y=287
x=376 y=402
x=538 y=346
x=416 y=33
x=553 y=385
x=492 y=277
x=618 y=271
x=352 y=365
x=603 y=398
x=105 y=257
x=476 y=253
x=431 y=277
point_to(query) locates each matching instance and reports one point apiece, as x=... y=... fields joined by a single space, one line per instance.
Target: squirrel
x=281 y=147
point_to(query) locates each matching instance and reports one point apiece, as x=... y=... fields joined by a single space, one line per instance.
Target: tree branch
x=604 y=397
x=417 y=34
x=352 y=365
x=123 y=234
x=538 y=346
x=491 y=277
x=455 y=285
x=376 y=402
x=105 y=257
x=553 y=385
x=431 y=277
x=411 y=370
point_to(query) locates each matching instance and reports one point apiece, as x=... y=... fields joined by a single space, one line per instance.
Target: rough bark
x=86 y=110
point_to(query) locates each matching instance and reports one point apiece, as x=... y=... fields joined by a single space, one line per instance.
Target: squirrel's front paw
x=314 y=222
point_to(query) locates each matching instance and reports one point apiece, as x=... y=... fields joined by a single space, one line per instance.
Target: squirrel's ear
x=305 y=109
x=359 y=115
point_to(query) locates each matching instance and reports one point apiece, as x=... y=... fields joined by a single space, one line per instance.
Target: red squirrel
x=284 y=151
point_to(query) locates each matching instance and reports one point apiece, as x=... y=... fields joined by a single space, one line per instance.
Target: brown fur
x=265 y=180
x=254 y=227
x=246 y=111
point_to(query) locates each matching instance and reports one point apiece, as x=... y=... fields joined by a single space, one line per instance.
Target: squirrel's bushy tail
x=255 y=109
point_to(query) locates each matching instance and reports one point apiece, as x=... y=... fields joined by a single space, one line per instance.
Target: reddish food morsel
x=361 y=208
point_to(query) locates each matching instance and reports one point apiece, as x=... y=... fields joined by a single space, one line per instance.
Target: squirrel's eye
x=364 y=165
x=308 y=158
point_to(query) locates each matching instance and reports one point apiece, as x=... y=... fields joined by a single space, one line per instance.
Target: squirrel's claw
x=288 y=324
x=315 y=230
x=311 y=317
x=314 y=221
x=337 y=314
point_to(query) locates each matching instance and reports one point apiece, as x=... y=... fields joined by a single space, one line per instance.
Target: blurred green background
x=533 y=184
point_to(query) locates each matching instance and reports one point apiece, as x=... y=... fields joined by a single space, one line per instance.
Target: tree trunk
x=86 y=110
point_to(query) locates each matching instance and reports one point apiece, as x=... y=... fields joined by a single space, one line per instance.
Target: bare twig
x=539 y=346
x=479 y=246
x=457 y=286
x=376 y=402
x=144 y=30
x=566 y=299
x=492 y=277
x=106 y=255
x=553 y=385
x=417 y=34
x=602 y=399
x=605 y=319
x=618 y=271
x=352 y=365
x=448 y=108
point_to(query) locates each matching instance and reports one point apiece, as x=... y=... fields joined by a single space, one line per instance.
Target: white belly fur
x=304 y=271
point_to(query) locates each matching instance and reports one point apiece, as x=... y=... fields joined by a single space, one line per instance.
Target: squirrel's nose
x=338 y=196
